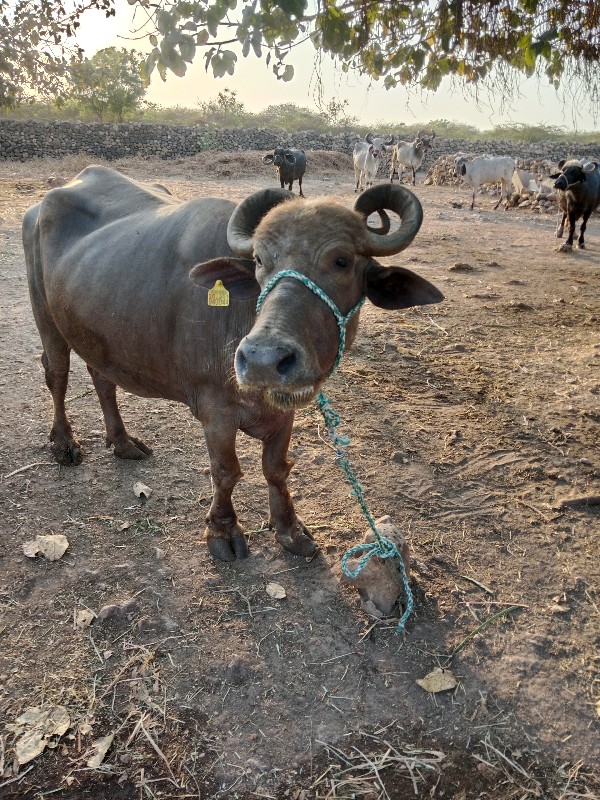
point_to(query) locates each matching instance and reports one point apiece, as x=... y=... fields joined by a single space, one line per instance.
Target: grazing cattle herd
x=159 y=296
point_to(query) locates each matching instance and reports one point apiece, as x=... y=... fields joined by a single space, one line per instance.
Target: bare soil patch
x=474 y=424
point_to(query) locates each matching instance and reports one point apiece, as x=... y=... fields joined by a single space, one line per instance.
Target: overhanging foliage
x=488 y=44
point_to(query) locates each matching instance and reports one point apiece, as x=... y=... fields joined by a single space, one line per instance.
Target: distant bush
x=227 y=111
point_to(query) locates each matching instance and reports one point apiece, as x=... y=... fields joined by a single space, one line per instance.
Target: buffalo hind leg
x=290 y=531
x=56 y=359
x=583 y=226
x=224 y=534
x=124 y=446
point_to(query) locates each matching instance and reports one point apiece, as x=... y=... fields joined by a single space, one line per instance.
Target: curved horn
x=247 y=215
x=402 y=202
x=432 y=135
x=390 y=140
x=384 y=228
x=369 y=138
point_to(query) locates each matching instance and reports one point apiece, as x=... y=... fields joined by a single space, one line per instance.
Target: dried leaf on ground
x=141 y=490
x=438 y=680
x=52 y=546
x=276 y=591
x=99 y=750
x=36 y=727
x=83 y=617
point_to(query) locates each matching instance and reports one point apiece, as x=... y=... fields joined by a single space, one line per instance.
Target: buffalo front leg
x=125 y=446
x=290 y=531
x=224 y=534
x=561 y=224
x=572 y=224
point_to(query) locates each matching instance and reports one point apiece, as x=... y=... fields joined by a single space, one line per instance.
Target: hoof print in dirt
x=380 y=583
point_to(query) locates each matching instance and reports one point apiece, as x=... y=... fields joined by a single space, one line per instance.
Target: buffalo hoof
x=228 y=549
x=565 y=247
x=131 y=448
x=298 y=540
x=581 y=245
x=66 y=452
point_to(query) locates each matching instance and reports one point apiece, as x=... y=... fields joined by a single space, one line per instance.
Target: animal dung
x=380 y=583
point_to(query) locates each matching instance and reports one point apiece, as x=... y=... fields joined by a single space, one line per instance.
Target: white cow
x=486 y=169
x=410 y=154
x=367 y=156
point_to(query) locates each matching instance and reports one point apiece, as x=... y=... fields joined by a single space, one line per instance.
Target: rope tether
x=382 y=546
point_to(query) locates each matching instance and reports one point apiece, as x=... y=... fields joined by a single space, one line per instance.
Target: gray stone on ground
x=380 y=582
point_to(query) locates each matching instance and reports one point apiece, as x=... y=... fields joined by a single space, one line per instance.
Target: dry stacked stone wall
x=24 y=140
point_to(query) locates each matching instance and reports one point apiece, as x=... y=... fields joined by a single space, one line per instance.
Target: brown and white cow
x=120 y=272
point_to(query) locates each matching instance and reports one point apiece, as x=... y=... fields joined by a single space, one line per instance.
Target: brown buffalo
x=120 y=271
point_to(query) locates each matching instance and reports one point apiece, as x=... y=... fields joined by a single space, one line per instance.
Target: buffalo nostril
x=241 y=363
x=286 y=364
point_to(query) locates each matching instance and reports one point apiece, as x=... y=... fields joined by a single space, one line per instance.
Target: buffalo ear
x=562 y=162
x=268 y=159
x=463 y=169
x=236 y=274
x=396 y=287
x=555 y=176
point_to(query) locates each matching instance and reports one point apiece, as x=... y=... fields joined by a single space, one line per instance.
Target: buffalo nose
x=560 y=183
x=263 y=364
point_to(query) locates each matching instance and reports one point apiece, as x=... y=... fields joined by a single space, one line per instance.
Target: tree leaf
x=52 y=546
x=99 y=750
x=438 y=680
x=276 y=591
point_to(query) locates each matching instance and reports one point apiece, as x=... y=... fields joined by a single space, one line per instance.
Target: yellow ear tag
x=218 y=295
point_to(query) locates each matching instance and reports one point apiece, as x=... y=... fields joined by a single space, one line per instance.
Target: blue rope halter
x=341 y=320
x=382 y=546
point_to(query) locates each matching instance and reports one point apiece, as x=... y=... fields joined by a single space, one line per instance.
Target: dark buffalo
x=120 y=272
x=290 y=166
x=578 y=183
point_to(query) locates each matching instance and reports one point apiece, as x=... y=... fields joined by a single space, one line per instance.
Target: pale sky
x=257 y=87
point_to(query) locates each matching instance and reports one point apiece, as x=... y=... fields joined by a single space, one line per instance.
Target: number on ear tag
x=218 y=295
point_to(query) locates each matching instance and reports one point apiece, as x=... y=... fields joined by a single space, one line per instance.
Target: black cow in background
x=290 y=165
x=578 y=184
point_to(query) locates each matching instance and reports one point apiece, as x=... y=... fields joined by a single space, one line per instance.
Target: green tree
x=481 y=43
x=36 y=43
x=109 y=84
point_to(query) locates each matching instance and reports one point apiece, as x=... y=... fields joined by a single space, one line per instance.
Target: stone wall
x=24 y=140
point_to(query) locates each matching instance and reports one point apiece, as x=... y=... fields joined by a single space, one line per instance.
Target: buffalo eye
x=342 y=262
x=258 y=260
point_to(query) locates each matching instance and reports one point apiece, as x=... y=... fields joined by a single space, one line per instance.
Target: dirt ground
x=475 y=424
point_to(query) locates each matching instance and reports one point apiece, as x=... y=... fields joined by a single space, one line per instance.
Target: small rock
x=462 y=267
x=117 y=610
x=380 y=583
